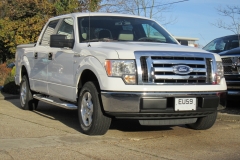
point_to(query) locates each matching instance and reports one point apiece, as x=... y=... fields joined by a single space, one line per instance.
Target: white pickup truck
x=119 y=66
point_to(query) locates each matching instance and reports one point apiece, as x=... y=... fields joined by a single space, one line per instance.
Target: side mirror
x=60 y=41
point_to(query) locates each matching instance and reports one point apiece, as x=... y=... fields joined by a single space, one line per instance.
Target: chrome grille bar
x=160 y=67
x=170 y=69
x=181 y=77
x=178 y=62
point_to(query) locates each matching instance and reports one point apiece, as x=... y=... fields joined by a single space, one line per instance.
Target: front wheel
x=26 y=99
x=91 y=117
x=204 y=122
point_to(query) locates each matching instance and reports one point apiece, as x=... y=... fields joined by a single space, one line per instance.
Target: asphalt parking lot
x=53 y=133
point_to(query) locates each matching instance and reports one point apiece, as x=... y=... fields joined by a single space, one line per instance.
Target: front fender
x=94 y=65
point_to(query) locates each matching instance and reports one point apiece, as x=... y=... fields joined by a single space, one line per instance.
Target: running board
x=50 y=101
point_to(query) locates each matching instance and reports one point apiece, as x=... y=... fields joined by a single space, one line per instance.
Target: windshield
x=106 y=28
x=222 y=44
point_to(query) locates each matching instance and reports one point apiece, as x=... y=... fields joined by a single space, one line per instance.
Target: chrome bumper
x=132 y=103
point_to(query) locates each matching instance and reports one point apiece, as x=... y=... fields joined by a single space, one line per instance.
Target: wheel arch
x=25 y=67
x=86 y=76
x=24 y=71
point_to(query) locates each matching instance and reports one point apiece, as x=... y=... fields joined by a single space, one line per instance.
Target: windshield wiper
x=99 y=40
x=91 y=40
x=148 y=39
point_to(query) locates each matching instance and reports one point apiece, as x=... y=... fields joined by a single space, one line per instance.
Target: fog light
x=129 y=79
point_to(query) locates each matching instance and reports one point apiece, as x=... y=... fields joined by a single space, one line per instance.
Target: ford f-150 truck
x=119 y=66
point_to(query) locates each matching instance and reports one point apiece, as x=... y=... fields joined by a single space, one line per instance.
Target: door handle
x=50 y=55
x=36 y=55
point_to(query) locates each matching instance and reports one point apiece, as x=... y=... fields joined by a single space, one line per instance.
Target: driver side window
x=66 y=28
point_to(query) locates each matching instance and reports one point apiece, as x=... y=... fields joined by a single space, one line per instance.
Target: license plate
x=185 y=104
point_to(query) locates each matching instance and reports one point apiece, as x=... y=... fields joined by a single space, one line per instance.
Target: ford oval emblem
x=182 y=69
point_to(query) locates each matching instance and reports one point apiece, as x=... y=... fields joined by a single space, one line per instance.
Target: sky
x=194 y=18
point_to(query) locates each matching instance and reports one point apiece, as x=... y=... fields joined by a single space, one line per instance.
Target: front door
x=60 y=73
x=61 y=63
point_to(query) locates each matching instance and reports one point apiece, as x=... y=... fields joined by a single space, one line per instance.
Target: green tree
x=21 y=21
x=94 y=5
x=66 y=6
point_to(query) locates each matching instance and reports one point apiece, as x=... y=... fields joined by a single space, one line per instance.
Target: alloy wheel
x=87 y=109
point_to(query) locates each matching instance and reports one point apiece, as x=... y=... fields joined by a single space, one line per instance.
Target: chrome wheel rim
x=87 y=109
x=23 y=93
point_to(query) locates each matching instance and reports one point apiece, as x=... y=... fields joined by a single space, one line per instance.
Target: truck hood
x=126 y=49
x=230 y=53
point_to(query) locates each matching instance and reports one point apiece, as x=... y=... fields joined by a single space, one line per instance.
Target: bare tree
x=231 y=12
x=147 y=8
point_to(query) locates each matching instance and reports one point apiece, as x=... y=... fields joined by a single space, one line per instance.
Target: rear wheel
x=26 y=99
x=204 y=122
x=91 y=117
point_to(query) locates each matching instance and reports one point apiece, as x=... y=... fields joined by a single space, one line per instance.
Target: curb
x=228 y=117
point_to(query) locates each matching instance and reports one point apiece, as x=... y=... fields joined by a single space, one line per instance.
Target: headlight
x=219 y=73
x=126 y=69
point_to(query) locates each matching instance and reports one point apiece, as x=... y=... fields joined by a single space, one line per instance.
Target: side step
x=50 y=101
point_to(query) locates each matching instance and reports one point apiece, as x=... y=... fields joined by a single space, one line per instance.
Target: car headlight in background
x=219 y=73
x=126 y=69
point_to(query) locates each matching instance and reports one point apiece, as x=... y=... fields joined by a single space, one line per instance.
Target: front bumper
x=159 y=105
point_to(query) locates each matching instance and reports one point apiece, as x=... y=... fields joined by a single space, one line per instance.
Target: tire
x=26 y=99
x=91 y=118
x=204 y=122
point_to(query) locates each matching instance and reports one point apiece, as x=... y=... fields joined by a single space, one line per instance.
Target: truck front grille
x=230 y=65
x=160 y=69
x=231 y=74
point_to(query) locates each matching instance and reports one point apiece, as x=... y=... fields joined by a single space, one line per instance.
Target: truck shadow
x=134 y=126
x=70 y=119
x=233 y=107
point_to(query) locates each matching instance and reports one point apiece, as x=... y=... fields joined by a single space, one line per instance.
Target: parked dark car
x=223 y=44
x=231 y=66
x=229 y=49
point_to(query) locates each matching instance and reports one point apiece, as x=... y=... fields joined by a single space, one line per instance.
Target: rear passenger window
x=49 y=31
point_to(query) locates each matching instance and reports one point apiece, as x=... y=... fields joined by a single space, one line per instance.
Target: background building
x=187 y=41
